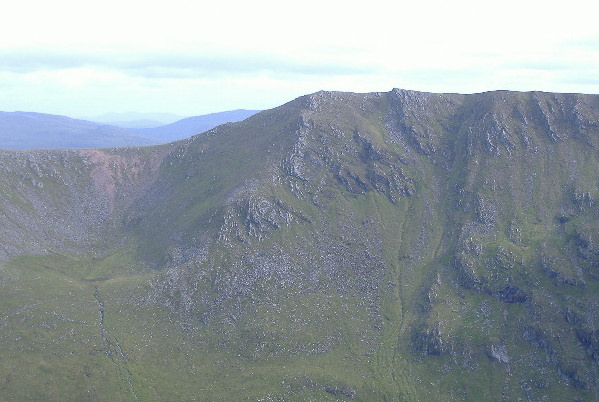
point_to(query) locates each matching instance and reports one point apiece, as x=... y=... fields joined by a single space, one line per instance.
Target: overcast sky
x=82 y=58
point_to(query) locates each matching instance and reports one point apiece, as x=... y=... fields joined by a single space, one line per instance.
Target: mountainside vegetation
x=382 y=246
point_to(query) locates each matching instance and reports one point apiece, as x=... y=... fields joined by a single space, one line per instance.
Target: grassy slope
x=317 y=280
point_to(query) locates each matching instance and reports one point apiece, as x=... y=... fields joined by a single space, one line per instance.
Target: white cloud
x=191 y=58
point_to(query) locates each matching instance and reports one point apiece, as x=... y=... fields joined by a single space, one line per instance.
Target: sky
x=80 y=58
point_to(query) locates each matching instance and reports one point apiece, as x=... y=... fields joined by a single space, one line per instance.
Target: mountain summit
x=382 y=246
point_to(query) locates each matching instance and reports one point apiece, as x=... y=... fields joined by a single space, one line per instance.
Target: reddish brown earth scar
x=110 y=171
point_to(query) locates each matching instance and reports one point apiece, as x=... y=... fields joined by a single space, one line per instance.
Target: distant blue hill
x=193 y=125
x=29 y=130
x=136 y=119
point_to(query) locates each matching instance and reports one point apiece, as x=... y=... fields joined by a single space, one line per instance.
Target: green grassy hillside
x=385 y=246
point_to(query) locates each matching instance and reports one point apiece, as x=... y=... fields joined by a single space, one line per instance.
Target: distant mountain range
x=135 y=119
x=29 y=130
x=26 y=130
x=193 y=125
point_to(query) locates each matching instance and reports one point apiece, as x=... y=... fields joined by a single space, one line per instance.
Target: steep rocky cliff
x=399 y=245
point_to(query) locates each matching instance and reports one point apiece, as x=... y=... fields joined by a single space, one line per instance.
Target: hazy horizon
x=80 y=59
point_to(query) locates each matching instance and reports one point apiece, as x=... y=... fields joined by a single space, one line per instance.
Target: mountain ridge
x=339 y=246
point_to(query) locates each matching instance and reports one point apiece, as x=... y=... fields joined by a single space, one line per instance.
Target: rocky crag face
x=383 y=246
